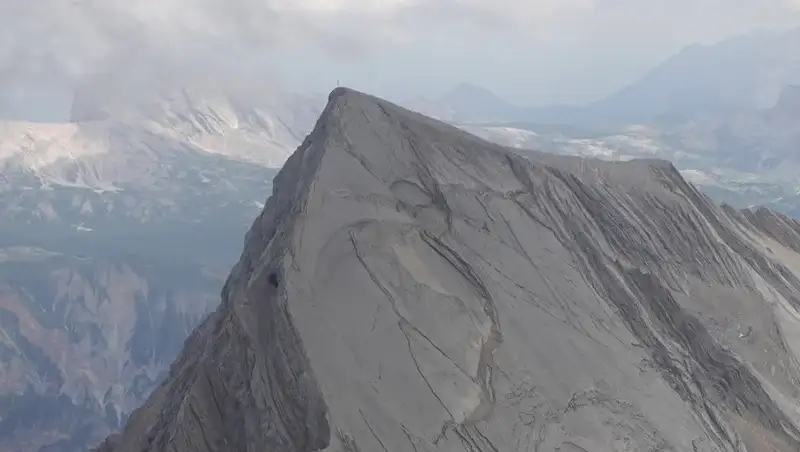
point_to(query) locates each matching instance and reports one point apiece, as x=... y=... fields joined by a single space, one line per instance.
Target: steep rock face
x=411 y=287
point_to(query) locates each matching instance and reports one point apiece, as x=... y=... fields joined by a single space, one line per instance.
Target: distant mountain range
x=726 y=114
x=743 y=72
x=116 y=233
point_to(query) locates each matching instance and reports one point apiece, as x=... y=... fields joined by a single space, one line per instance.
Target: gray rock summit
x=410 y=287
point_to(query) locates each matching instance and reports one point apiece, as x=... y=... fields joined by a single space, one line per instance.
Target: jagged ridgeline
x=410 y=287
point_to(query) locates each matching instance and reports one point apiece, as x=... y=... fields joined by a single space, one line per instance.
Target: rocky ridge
x=409 y=286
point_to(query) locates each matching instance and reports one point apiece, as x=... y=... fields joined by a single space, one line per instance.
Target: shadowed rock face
x=409 y=287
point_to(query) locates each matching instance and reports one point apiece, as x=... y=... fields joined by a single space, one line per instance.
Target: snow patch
x=696 y=176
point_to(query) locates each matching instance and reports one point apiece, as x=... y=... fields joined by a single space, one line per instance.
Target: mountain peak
x=356 y=118
x=255 y=125
x=471 y=90
x=714 y=78
x=411 y=287
x=343 y=91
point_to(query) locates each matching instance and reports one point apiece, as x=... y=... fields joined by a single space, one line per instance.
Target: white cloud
x=543 y=39
x=71 y=38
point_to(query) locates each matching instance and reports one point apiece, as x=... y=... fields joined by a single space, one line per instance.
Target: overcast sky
x=529 y=51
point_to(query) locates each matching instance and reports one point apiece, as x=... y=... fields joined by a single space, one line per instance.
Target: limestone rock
x=410 y=287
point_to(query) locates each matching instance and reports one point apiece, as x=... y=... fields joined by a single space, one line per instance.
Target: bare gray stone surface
x=410 y=287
